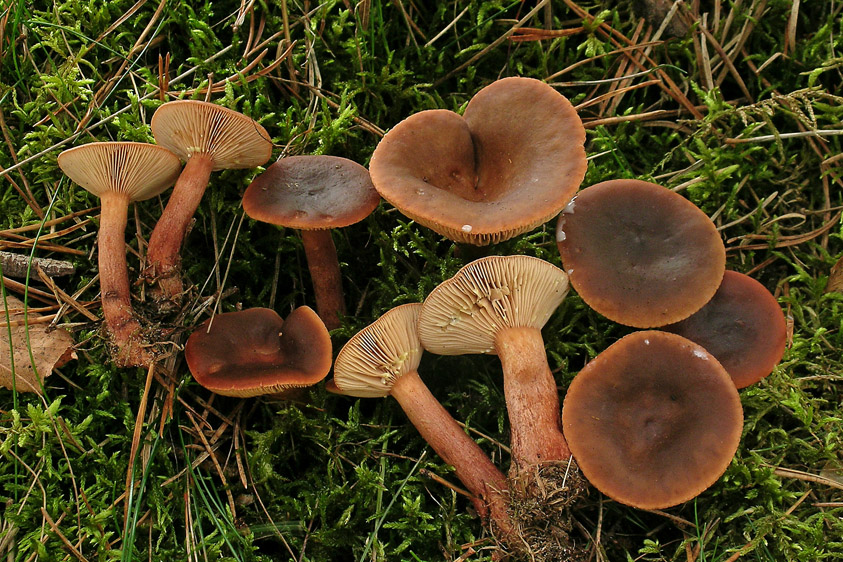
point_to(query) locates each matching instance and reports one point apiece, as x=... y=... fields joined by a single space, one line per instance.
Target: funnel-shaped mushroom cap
x=137 y=169
x=189 y=127
x=509 y=164
x=742 y=326
x=640 y=254
x=465 y=313
x=254 y=352
x=653 y=420
x=311 y=192
x=377 y=356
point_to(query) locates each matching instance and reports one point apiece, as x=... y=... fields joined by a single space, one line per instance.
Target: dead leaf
x=835 y=278
x=50 y=347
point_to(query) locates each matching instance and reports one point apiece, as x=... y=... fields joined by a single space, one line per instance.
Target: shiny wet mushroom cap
x=315 y=194
x=640 y=254
x=311 y=192
x=742 y=326
x=509 y=164
x=254 y=352
x=653 y=420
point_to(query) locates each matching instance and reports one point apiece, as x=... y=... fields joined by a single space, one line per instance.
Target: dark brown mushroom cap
x=233 y=140
x=311 y=192
x=254 y=352
x=139 y=170
x=742 y=326
x=640 y=254
x=653 y=420
x=509 y=164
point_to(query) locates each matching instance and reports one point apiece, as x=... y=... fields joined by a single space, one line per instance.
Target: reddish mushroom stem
x=325 y=273
x=165 y=242
x=125 y=330
x=532 y=400
x=472 y=466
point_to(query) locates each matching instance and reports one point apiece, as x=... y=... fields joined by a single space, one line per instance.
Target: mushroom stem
x=125 y=330
x=472 y=466
x=532 y=400
x=163 y=259
x=325 y=273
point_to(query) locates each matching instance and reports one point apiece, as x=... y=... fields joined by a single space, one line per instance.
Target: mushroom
x=640 y=254
x=742 y=326
x=254 y=352
x=208 y=138
x=653 y=420
x=120 y=173
x=498 y=305
x=382 y=359
x=510 y=163
x=315 y=194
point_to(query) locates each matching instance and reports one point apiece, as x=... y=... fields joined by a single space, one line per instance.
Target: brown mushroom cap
x=137 y=169
x=465 y=313
x=653 y=420
x=254 y=352
x=311 y=192
x=189 y=127
x=378 y=355
x=510 y=163
x=640 y=254
x=742 y=326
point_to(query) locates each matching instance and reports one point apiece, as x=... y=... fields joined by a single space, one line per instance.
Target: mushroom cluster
x=651 y=421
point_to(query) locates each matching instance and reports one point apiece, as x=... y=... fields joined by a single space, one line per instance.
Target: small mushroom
x=254 y=352
x=120 y=173
x=315 y=194
x=742 y=326
x=653 y=420
x=510 y=163
x=207 y=137
x=640 y=254
x=498 y=305
x=382 y=359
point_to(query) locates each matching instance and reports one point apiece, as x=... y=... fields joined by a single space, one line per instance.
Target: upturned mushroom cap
x=311 y=192
x=137 y=169
x=653 y=420
x=254 y=352
x=509 y=164
x=189 y=127
x=377 y=356
x=742 y=326
x=464 y=314
x=640 y=254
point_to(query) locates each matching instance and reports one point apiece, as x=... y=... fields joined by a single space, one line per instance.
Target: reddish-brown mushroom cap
x=509 y=164
x=311 y=192
x=653 y=420
x=254 y=352
x=640 y=254
x=315 y=194
x=742 y=326
x=189 y=127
